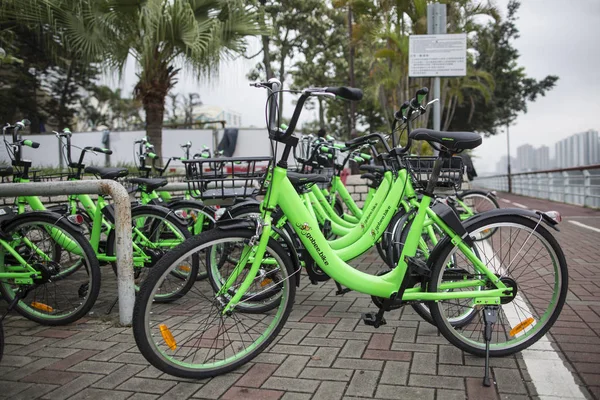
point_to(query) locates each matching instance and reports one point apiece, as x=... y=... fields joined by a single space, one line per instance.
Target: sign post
x=437 y=54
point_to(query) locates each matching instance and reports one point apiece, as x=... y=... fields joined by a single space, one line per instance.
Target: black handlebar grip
x=35 y=145
x=420 y=96
x=400 y=114
x=346 y=93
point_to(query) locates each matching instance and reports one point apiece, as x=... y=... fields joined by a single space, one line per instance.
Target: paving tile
x=442 y=382
x=292 y=366
x=119 y=376
x=363 y=383
x=327 y=374
x=71 y=360
x=12 y=388
x=50 y=377
x=292 y=384
x=257 y=375
x=353 y=348
x=100 y=394
x=95 y=367
x=509 y=381
x=34 y=391
x=181 y=391
x=217 y=386
x=387 y=355
x=153 y=386
x=330 y=390
x=73 y=387
x=349 y=363
x=404 y=392
x=323 y=357
x=395 y=373
x=476 y=390
x=237 y=392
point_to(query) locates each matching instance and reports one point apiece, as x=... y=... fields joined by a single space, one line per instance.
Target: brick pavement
x=324 y=351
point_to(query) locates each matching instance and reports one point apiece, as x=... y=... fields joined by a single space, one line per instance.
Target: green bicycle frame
x=282 y=193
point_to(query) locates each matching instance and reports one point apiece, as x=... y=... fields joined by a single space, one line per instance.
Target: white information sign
x=437 y=55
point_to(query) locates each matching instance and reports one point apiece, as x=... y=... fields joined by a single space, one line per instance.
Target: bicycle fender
x=533 y=214
x=230 y=224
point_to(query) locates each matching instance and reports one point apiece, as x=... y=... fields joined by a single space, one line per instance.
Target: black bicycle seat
x=5 y=170
x=149 y=184
x=107 y=173
x=377 y=169
x=298 y=179
x=451 y=140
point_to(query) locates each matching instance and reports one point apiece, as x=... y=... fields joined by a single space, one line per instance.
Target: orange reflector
x=41 y=306
x=184 y=268
x=521 y=326
x=167 y=336
x=265 y=282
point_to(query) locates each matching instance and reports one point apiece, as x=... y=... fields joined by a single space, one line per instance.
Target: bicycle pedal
x=372 y=319
x=419 y=266
x=342 y=291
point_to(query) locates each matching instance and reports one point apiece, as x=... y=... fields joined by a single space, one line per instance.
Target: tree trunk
x=267 y=56
x=155 y=108
x=351 y=70
x=62 y=123
x=321 y=113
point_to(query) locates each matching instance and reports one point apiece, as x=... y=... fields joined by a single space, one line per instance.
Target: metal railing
x=125 y=283
x=577 y=185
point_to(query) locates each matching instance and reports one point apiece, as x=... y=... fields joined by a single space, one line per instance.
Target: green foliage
x=160 y=34
x=512 y=88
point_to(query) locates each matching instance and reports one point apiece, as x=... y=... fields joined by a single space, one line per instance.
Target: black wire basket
x=223 y=178
x=39 y=176
x=451 y=175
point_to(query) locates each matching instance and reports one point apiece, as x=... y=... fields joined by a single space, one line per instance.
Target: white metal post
x=122 y=226
x=436 y=24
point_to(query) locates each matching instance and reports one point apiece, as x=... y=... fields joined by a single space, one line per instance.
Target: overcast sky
x=557 y=37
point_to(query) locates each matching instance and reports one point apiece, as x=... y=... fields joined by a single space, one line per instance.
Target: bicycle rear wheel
x=64 y=290
x=191 y=337
x=156 y=231
x=1 y=340
x=526 y=257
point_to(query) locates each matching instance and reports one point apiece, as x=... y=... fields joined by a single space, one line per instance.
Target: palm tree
x=163 y=36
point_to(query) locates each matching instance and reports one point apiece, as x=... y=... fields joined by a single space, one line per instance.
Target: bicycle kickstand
x=13 y=303
x=490 y=316
x=114 y=303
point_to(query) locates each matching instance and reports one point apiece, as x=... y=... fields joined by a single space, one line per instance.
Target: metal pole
x=122 y=226
x=436 y=24
x=508 y=159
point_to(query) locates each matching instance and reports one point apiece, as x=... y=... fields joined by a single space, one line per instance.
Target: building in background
x=541 y=159
x=525 y=158
x=578 y=150
x=215 y=113
x=502 y=166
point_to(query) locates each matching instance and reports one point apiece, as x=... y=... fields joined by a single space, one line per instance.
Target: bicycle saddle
x=5 y=170
x=107 y=173
x=450 y=140
x=303 y=179
x=149 y=184
x=377 y=169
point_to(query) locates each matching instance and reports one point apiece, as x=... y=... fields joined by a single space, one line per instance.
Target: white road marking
x=506 y=201
x=519 y=205
x=584 y=226
x=552 y=380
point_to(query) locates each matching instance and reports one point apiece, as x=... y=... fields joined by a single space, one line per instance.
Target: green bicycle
x=155 y=229
x=516 y=298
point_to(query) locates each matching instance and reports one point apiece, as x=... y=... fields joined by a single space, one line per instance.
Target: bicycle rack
x=122 y=226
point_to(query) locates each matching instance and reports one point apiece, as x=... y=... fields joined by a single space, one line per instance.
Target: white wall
x=251 y=142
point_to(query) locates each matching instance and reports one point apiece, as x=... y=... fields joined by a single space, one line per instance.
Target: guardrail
x=120 y=197
x=577 y=185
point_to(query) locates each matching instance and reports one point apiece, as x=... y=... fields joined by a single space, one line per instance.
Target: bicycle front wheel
x=524 y=256
x=192 y=337
x=68 y=274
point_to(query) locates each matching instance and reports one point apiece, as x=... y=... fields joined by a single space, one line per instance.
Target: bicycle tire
x=148 y=343
x=1 y=340
x=197 y=207
x=89 y=289
x=159 y=214
x=532 y=229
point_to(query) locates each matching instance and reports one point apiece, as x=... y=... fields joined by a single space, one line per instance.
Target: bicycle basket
x=451 y=175
x=38 y=176
x=222 y=178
